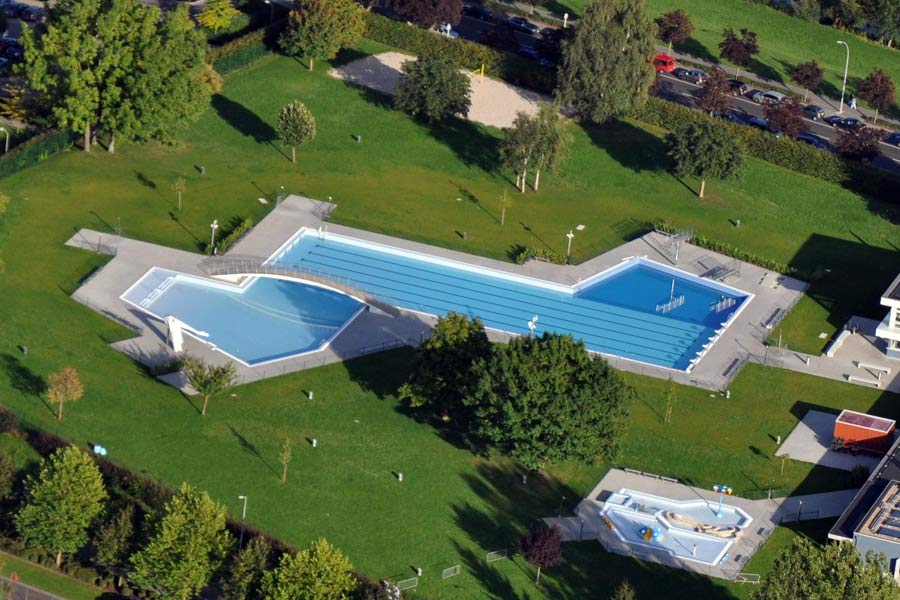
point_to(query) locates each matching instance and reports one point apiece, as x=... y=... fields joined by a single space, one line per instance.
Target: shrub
x=246 y=49
x=523 y=253
x=470 y=55
x=35 y=150
x=237 y=231
x=9 y=422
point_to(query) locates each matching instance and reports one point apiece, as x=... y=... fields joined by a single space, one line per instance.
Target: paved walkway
x=767 y=514
x=810 y=441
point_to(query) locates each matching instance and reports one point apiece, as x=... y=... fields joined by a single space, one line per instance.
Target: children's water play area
x=697 y=530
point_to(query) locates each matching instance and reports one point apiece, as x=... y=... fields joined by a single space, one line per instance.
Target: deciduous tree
x=442 y=374
x=186 y=547
x=787 y=116
x=7 y=475
x=606 y=69
x=114 y=541
x=739 y=50
x=674 y=27
x=62 y=502
x=542 y=547
x=320 y=572
x=319 y=29
x=285 y=458
x=624 y=591
x=518 y=145
x=540 y=142
x=545 y=400
x=429 y=13
x=296 y=126
x=715 y=94
x=861 y=144
x=808 y=75
x=433 y=88
x=705 y=150
x=807 y=571
x=64 y=386
x=217 y=14
x=207 y=379
x=246 y=571
x=878 y=90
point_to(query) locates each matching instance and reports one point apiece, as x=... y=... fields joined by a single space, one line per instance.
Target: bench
x=880 y=370
x=865 y=380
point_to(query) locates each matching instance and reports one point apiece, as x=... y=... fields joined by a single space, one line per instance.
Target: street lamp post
x=212 y=237
x=846 y=67
x=569 y=235
x=532 y=324
x=271 y=10
x=243 y=516
x=4 y=130
x=561 y=500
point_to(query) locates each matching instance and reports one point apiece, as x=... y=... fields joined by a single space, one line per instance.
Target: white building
x=889 y=328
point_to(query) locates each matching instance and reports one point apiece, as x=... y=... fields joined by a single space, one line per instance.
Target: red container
x=866 y=431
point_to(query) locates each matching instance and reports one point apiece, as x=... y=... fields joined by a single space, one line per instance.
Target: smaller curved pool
x=264 y=319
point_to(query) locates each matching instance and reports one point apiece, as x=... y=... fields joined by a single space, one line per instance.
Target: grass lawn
x=424 y=184
x=784 y=41
x=48 y=580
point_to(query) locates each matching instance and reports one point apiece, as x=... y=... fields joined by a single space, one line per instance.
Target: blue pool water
x=616 y=314
x=266 y=320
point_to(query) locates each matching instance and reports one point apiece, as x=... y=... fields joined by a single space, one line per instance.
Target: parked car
x=833 y=120
x=12 y=9
x=850 y=124
x=813 y=140
x=769 y=97
x=762 y=124
x=14 y=53
x=476 y=11
x=893 y=138
x=32 y=14
x=731 y=116
x=663 y=63
x=531 y=53
x=692 y=75
x=524 y=25
x=813 y=111
x=738 y=87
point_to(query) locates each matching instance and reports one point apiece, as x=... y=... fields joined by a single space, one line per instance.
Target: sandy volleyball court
x=493 y=102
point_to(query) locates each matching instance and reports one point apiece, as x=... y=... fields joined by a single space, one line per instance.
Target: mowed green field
x=784 y=41
x=426 y=184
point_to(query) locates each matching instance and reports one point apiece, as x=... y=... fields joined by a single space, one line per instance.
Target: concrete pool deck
x=774 y=295
x=587 y=524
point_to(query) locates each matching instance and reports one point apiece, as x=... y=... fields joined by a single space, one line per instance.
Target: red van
x=663 y=63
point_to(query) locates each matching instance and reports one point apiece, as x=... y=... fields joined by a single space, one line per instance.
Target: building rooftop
x=851 y=417
x=869 y=495
x=883 y=519
x=893 y=291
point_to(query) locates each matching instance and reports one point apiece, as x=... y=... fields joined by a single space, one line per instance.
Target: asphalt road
x=471 y=29
x=685 y=93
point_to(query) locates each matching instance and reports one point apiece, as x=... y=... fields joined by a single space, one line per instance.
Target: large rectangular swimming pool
x=638 y=310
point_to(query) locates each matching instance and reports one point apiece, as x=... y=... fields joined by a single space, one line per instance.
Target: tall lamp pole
x=212 y=237
x=243 y=516
x=569 y=235
x=846 y=68
x=4 y=130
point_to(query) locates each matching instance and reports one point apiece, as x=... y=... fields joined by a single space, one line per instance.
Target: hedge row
x=244 y=50
x=509 y=67
x=782 y=151
x=35 y=150
x=237 y=232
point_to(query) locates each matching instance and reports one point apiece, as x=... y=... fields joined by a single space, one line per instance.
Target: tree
x=186 y=547
x=62 y=502
x=808 y=75
x=738 y=50
x=429 y=13
x=113 y=541
x=208 y=380
x=861 y=144
x=843 y=13
x=671 y=395
x=606 y=69
x=64 y=386
x=16 y=103
x=706 y=150
x=807 y=571
x=285 y=458
x=217 y=14
x=674 y=27
x=518 y=146
x=787 y=116
x=885 y=15
x=715 y=95
x=624 y=592
x=543 y=400
x=321 y=572
x=549 y=45
x=179 y=186
x=296 y=126
x=246 y=571
x=442 y=374
x=7 y=475
x=878 y=90
x=541 y=141
x=542 y=547
x=321 y=28
x=433 y=88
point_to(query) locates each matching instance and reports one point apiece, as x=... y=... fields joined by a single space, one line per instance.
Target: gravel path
x=493 y=102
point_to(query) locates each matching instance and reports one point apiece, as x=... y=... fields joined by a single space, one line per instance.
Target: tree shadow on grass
x=630 y=146
x=244 y=120
x=494 y=583
x=24 y=380
x=766 y=71
x=471 y=144
x=381 y=373
x=694 y=48
x=250 y=448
